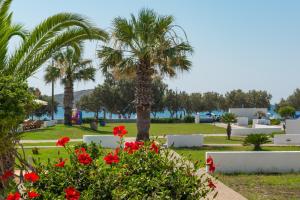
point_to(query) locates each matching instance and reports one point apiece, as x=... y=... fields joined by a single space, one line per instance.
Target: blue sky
x=249 y=44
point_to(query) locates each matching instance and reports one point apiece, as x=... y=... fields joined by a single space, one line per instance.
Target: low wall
x=184 y=140
x=261 y=121
x=292 y=139
x=242 y=121
x=248 y=131
x=50 y=123
x=256 y=162
x=293 y=126
x=106 y=141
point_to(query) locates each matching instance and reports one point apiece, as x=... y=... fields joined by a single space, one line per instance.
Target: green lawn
x=76 y=132
x=45 y=154
x=264 y=187
x=46 y=144
x=198 y=154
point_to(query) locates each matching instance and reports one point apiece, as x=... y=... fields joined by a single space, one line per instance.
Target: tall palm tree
x=38 y=45
x=51 y=76
x=146 y=45
x=71 y=68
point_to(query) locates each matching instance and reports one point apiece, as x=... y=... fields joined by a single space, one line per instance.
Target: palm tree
x=37 y=46
x=228 y=118
x=146 y=46
x=71 y=68
x=51 y=76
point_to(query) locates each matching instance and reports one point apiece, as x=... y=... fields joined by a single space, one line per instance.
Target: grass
x=264 y=186
x=198 y=154
x=46 y=144
x=45 y=154
x=76 y=132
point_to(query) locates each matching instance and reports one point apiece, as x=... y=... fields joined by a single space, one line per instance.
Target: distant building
x=251 y=113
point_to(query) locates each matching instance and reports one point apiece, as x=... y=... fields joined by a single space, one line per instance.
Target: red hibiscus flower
x=154 y=147
x=120 y=131
x=32 y=194
x=110 y=158
x=80 y=150
x=31 y=177
x=72 y=193
x=60 y=164
x=63 y=141
x=6 y=175
x=13 y=196
x=211 y=165
x=84 y=158
x=211 y=184
x=131 y=147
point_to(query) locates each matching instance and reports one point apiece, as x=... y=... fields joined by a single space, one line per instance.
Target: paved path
x=224 y=192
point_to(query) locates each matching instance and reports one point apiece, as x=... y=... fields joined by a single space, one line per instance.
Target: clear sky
x=249 y=44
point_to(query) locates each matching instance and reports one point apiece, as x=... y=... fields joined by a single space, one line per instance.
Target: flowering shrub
x=135 y=170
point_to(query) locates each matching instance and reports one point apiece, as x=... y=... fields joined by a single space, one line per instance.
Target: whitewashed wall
x=261 y=121
x=49 y=123
x=184 y=140
x=288 y=139
x=106 y=141
x=293 y=126
x=242 y=121
x=247 y=112
x=248 y=131
x=256 y=162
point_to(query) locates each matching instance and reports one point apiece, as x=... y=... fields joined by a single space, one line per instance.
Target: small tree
x=286 y=112
x=256 y=140
x=228 y=118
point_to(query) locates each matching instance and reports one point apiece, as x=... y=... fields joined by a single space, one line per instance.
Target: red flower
x=154 y=147
x=63 y=141
x=60 y=164
x=131 y=147
x=80 y=150
x=32 y=194
x=211 y=165
x=211 y=184
x=120 y=131
x=72 y=193
x=110 y=158
x=84 y=158
x=6 y=175
x=15 y=196
x=31 y=177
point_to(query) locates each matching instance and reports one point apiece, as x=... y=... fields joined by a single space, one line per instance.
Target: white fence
x=293 y=126
x=288 y=139
x=248 y=131
x=251 y=113
x=106 y=141
x=256 y=162
x=184 y=140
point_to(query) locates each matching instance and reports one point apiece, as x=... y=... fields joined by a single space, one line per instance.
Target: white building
x=251 y=113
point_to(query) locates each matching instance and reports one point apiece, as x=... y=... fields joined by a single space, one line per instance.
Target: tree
x=51 y=76
x=146 y=46
x=15 y=99
x=196 y=102
x=48 y=109
x=72 y=68
x=212 y=101
x=292 y=100
x=158 y=92
x=236 y=99
x=287 y=112
x=90 y=103
x=258 y=99
x=185 y=103
x=256 y=140
x=37 y=46
x=228 y=118
x=171 y=102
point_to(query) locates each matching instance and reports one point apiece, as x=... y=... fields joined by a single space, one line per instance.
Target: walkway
x=224 y=192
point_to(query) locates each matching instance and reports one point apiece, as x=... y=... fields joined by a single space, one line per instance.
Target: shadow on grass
x=84 y=128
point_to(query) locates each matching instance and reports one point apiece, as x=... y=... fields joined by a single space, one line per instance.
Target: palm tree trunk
x=68 y=102
x=52 y=102
x=143 y=98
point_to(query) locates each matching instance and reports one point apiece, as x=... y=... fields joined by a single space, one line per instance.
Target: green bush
x=137 y=171
x=257 y=140
x=189 y=119
x=275 y=121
